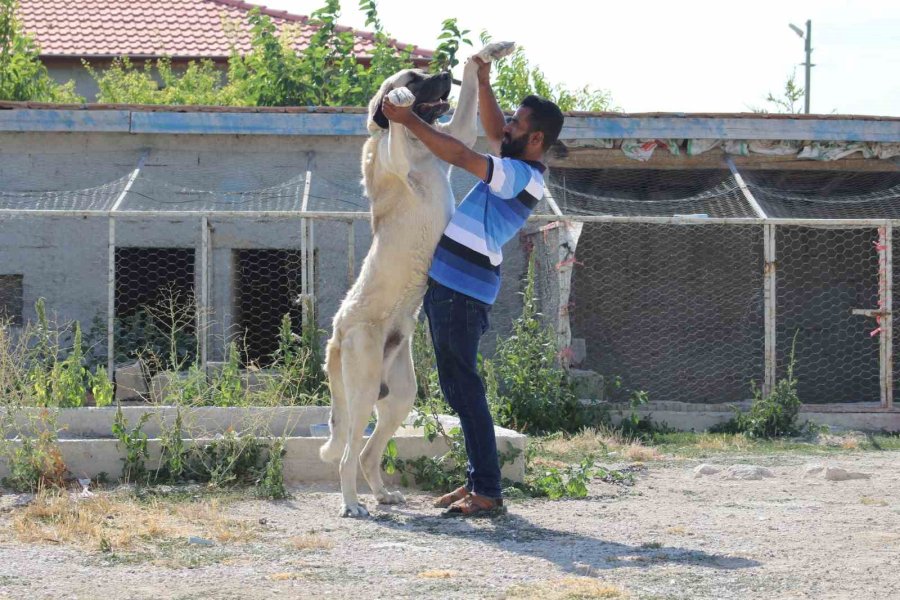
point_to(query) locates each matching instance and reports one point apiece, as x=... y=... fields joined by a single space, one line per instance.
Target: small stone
x=841 y=474
x=263 y=521
x=813 y=470
x=199 y=541
x=747 y=472
x=706 y=469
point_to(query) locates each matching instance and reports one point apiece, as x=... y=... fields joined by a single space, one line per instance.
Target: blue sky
x=689 y=56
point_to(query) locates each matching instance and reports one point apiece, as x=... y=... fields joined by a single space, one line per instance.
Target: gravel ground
x=671 y=535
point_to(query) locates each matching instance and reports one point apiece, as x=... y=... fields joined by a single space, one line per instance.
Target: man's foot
x=447 y=499
x=474 y=505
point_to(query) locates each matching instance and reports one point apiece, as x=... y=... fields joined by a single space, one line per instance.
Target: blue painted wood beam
x=580 y=127
x=249 y=123
x=72 y=121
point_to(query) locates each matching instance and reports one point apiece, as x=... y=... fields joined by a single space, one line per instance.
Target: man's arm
x=445 y=147
x=492 y=118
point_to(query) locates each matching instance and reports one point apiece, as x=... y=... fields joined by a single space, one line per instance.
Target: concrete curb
x=88 y=448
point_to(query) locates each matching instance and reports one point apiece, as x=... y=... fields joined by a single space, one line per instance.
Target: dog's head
x=431 y=92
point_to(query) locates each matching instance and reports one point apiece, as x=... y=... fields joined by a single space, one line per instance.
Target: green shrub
x=271 y=484
x=770 y=416
x=33 y=456
x=527 y=388
x=22 y=74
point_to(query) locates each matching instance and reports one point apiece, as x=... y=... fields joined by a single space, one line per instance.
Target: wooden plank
x=70 y=121
x=848 y=130
x=614 y=158
x=249 y=123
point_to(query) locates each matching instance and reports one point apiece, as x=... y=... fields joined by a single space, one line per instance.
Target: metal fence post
x=111 y=302
x=203 y=296
x=886 y=318
x=351 y=253
x=770 y=305
x=111 y=272
x=305 y=243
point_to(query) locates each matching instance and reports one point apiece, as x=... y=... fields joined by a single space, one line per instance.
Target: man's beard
x=513 y=147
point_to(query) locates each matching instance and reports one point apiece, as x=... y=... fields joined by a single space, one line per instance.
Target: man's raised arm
x=492 y=118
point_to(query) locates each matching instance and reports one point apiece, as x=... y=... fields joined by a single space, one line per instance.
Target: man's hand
x=397 y=106
x=484 y=70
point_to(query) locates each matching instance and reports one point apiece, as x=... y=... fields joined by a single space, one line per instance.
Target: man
x=464 y=278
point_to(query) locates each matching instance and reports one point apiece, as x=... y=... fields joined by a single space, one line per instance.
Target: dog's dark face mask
x=431 y=92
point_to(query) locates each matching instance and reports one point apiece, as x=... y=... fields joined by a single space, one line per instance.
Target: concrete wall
x=65 y=260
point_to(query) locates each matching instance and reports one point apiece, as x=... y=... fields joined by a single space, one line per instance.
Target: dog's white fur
x=371 y=343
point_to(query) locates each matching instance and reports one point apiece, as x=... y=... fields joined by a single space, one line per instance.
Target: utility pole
x=807 y=38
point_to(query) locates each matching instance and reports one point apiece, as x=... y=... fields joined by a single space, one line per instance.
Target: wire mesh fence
x=665 y=278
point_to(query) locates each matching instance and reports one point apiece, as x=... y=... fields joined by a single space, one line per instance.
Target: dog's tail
x=332 y=450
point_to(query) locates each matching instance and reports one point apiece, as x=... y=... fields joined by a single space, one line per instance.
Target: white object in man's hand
x=401 y=97
x=496 y=50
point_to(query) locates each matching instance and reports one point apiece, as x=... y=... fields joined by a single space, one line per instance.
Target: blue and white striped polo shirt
x=469 y=254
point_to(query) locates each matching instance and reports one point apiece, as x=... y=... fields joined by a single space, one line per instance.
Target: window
x=267 y=287
x=11 y=298
x=154 y=288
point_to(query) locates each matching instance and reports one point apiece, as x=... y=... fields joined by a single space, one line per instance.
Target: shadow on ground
x=570 y=551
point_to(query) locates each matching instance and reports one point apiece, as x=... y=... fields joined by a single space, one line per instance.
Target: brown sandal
x=474 y=505
x=447 y=499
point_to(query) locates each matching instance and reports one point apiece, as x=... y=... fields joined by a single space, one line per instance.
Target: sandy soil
x=671 y=535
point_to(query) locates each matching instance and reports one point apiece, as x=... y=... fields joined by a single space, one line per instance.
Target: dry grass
x=600 y=441
x=286 y=576
x=867 y=501
x=105 y=521
x=310 y=542
x=567 y=588
x=844 y=442
x=637 y=452
x=439 y=574
x=723 y=442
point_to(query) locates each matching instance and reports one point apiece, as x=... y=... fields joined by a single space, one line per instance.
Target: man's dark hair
x=545 y=117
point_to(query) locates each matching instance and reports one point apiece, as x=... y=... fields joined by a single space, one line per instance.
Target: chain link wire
x=676 y=310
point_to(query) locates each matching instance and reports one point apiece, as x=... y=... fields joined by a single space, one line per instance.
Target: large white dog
x=369 y=356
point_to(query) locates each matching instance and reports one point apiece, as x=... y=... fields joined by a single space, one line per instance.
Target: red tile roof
x=145 y=28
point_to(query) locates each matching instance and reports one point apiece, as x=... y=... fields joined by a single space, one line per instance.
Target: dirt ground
x=671 y=535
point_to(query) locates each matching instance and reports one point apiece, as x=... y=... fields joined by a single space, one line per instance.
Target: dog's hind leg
x=391 y=410
x=361 y=356
x=332 y=450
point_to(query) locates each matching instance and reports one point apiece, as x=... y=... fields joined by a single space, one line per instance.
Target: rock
x=161 y=386
x=588 y=384
x=706 y=469
x=841 y=474
x=747 y=472
x=579 y=351
x=130 y=382
x=199 y=541
x=10 y=502
x=813 y=470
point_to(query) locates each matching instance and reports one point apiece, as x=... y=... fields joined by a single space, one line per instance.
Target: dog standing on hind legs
x=369 y=356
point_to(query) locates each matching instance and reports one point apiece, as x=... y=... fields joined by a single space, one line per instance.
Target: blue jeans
x=457 y=322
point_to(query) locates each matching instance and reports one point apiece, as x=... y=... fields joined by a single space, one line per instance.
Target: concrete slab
x=685 y=416
x=88 y=449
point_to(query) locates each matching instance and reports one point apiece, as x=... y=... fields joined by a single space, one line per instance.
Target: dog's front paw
x=496 y=50
x=354 y=511
x=401 y=97
x=386 y=497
